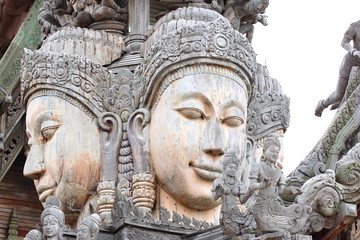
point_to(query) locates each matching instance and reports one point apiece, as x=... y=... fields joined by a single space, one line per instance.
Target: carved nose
x=213 y=142
x=34 y=165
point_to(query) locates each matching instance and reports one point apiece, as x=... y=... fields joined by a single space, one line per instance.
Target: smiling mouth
x=45 y=191
x=207 y=172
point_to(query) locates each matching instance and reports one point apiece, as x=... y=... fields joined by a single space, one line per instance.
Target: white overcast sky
x=302 y=48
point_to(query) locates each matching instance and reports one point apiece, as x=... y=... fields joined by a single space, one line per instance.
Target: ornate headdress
x=33 y=235
x=271 y=139
x=268 y=108
x=189 y=41
x=230 y=158
x=52 y=207
x=93 y=223
x=62 y=75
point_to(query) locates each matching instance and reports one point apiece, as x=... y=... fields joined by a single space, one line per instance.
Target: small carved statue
x=229 y=188
x=52 y=219
x=34 y=235
x=352 y=58
x=243 y=14
x=270 y=215
x=89 y=228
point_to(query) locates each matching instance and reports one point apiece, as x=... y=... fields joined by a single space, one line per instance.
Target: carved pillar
x=138 y=26
x=144 y=190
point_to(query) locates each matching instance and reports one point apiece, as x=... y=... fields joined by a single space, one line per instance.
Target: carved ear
x=111 y=132
x=139 y=140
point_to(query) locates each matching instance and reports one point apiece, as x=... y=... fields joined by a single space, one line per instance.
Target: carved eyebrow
x=236 y=104
x=194 y=96
x=44 y=116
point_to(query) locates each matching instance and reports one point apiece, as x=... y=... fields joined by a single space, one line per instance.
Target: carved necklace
x=271 y=173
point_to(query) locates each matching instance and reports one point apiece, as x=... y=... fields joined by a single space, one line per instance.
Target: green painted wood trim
x=28 y=36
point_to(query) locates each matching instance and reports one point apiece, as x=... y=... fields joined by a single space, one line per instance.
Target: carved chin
x=72 y=197
x=195 y=200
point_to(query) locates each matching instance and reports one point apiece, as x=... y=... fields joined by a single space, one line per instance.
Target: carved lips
x=44 y=191
x=207 y=171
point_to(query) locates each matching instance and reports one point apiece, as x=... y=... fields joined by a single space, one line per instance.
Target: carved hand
x=356 y=53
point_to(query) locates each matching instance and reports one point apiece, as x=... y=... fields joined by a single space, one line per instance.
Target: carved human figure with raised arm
x=269 y=213
x=230 y=189
x=352 y=58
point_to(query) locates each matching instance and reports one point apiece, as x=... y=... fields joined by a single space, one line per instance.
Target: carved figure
x=229 y=188
x=89 y=11
x=352 y=58
x=204 y=105
x=52 y=219
x=78 y=13
x=34 y=235
x=269 y=213
x=89 y=228
x=243 y=14
x=53 y=15
x=72 y=128
x=107 y=9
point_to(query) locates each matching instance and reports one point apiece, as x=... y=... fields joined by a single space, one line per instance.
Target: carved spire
x=13 y=233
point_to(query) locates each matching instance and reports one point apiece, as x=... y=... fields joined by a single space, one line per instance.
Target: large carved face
x=196 y=121
x=64 y=157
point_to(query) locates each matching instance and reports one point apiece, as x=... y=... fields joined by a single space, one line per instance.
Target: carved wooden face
x=83 y=233
x=196 y=121
x=51 y=227
x=272 y=153
x=64 y=157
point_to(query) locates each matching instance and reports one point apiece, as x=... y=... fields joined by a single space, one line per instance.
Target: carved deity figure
x=89 y=228
x=229 y=188
x=243 y=14
x=197 y=84
x=52 y=219
x=269 y=213
x=70 y=132
x=34 y=235
x=352 y=58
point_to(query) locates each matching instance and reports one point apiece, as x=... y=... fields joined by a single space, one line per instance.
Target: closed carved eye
x=48 y=129
x=191 y=113
x=233 y=121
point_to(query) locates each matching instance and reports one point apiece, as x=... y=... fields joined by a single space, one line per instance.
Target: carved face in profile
x=196 y=121
x=64 y=156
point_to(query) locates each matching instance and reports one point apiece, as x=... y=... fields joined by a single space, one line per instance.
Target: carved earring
x=111 y=127
x=143 y=181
